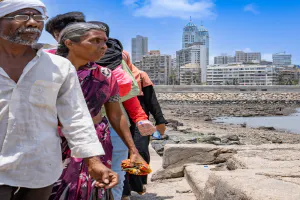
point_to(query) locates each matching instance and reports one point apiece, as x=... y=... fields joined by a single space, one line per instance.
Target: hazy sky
x=267 y=26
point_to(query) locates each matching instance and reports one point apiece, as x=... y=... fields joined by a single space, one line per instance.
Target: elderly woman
x=82 y=44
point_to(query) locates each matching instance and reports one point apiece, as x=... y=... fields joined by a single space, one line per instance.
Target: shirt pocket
x=44 y=93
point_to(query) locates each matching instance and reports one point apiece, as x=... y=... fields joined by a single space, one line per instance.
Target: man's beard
x=17 y=39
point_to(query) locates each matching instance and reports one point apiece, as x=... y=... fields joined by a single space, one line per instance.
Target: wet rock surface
x=191 y=124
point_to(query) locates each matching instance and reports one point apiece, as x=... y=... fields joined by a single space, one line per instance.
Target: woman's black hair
x=59 y=22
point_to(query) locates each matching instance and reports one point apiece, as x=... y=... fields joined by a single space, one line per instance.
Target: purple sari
x=99 y=86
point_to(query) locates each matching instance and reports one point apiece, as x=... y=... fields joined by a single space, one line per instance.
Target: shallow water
x=287 y=123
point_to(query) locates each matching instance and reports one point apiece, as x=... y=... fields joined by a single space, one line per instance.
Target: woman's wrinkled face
x=92 y=46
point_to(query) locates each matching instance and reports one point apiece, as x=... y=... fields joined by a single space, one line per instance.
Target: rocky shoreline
x=229 y=110
x=219 y=98
x=193 y=123
x=225 y=161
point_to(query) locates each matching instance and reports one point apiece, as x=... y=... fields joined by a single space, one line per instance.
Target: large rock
x=176 y=137
x=248 y=185
x=181 y=154
x=159 y=145
x=168 y=173
x=269 y=172
x=183 y=129
x=184 y=139
x=211 y=140
x=177 y=156
x=196 y=182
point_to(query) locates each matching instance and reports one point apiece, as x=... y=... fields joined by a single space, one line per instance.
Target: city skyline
x=233 y=25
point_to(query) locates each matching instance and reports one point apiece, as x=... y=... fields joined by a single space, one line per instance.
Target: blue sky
x=267 y=26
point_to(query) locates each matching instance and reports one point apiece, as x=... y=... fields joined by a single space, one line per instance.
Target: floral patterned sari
x=99 y=86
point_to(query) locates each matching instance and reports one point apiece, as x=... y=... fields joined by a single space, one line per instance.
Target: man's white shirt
x=30 y=152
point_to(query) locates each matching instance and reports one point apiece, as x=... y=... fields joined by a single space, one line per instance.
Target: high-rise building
x=174 y=63
x=282 y=59
x=192 y=34
x=242 y=74
x=240 y=56
x=139 y=47
x=219 y=60
x=252 y=57
x=157 y=67
x=195 y=54
x=189 y=34
x=202 y=36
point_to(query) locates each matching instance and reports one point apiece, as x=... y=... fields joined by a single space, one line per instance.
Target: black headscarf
x=113 y=56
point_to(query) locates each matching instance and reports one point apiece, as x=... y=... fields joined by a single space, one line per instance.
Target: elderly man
x=37 y=89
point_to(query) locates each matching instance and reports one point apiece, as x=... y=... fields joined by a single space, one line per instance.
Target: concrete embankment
x=269 y=172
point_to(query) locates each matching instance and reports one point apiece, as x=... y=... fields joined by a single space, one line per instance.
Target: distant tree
x=289 y=81
x=227 y=83
x=172 y=79
x=196 y=79
x=235 y=81
x=281 y=80
x=189 y=74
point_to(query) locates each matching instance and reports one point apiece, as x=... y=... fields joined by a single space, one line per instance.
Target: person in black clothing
x=151 y=106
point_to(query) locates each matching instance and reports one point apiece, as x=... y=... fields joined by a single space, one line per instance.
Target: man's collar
x=39 y=48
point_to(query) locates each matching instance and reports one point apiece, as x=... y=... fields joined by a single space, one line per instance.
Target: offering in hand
x=140 y=169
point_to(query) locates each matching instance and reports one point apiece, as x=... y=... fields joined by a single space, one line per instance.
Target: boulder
x=177 y=156
x=159 y=145
x=168 y=173
x=183 y=128
x=210 y=139
x=233 y=138
x=267 y=128
x=248 y=185
x=244 y=125
x=208 y=119
x=253 y=173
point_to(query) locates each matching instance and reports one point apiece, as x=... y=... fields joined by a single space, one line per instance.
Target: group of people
x=69 y=116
